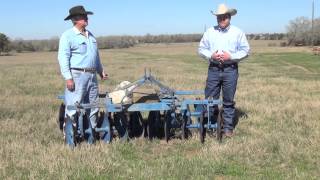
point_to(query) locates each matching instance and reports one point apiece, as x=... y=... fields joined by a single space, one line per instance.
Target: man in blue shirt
x=224 y=46
x=79 y=62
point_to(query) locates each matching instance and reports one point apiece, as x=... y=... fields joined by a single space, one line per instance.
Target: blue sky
x=39 y=19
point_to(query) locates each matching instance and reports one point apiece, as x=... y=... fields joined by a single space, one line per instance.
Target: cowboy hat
x=77 y=10
x=223 y=9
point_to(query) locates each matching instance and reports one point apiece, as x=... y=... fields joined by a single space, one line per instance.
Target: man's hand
x=221 y=56
x=103 y=75
x=216 y=56
x=70 y=84
x=225 y=56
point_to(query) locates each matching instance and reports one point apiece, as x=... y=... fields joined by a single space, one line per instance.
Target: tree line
x=111 y=42
x=104 y=42
x=299 y=32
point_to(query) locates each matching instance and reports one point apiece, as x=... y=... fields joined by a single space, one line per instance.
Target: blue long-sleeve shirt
x=78 y=51
x=231 y=40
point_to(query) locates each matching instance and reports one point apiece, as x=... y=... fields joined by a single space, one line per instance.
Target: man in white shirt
x=224 y=46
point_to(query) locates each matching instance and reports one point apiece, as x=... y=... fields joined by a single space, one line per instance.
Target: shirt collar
x=222 y=29
x=78 y=32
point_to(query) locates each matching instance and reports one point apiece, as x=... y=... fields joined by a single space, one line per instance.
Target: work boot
x=228 y=134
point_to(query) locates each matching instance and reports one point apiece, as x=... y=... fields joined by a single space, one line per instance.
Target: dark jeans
x=225 y=78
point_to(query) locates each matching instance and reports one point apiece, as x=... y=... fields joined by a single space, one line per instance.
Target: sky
x=44 y=19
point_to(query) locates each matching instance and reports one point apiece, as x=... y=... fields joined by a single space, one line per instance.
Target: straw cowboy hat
x=223 y=9
x=77 y=10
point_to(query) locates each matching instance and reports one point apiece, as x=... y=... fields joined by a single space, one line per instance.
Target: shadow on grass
x=240 y=114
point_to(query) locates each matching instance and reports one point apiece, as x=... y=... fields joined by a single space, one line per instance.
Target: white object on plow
x=120 y=96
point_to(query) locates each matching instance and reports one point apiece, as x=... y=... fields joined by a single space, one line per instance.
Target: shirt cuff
x=67 y=76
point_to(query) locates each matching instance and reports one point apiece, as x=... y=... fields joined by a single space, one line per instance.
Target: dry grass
x=278 y=138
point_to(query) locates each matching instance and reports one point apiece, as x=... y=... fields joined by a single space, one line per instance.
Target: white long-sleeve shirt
x=231 y=40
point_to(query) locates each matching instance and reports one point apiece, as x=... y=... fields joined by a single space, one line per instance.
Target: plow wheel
x=184 y=130
x=153 y=124
x=121 y=125
x=61 y=116
x=167 y=125
x=202 y=130
x=135 y=125
x=219 y=126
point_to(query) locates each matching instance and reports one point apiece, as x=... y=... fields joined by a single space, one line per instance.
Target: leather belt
x=234 y=65
x=91 y=70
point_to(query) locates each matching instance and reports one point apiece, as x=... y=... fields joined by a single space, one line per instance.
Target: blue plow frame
x=170 y=101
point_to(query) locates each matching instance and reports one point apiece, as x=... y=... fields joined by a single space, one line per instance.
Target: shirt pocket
x=80 y=47
x=83 y=48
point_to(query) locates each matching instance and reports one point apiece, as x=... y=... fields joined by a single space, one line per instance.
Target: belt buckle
x=90 y=70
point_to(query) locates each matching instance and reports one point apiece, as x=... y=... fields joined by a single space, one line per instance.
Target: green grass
x=278 y=138
x=301 y=66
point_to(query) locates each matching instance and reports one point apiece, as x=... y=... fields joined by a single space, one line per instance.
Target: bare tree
x=317 y=31
x=299 y=31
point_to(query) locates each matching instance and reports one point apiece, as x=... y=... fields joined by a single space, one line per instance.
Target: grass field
x=277 y=138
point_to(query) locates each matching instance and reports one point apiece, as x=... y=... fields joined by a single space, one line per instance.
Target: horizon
x=57 y=37
x=139 y=18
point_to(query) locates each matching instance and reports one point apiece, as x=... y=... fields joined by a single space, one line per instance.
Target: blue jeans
x=86 y=91
x=225 y=78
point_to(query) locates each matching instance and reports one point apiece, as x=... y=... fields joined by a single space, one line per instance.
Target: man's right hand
x=215 y=56
x=70 y=84
x=103 y=75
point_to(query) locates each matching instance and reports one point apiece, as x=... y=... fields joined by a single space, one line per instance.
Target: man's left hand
x=103 y=75
x=225 y=56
